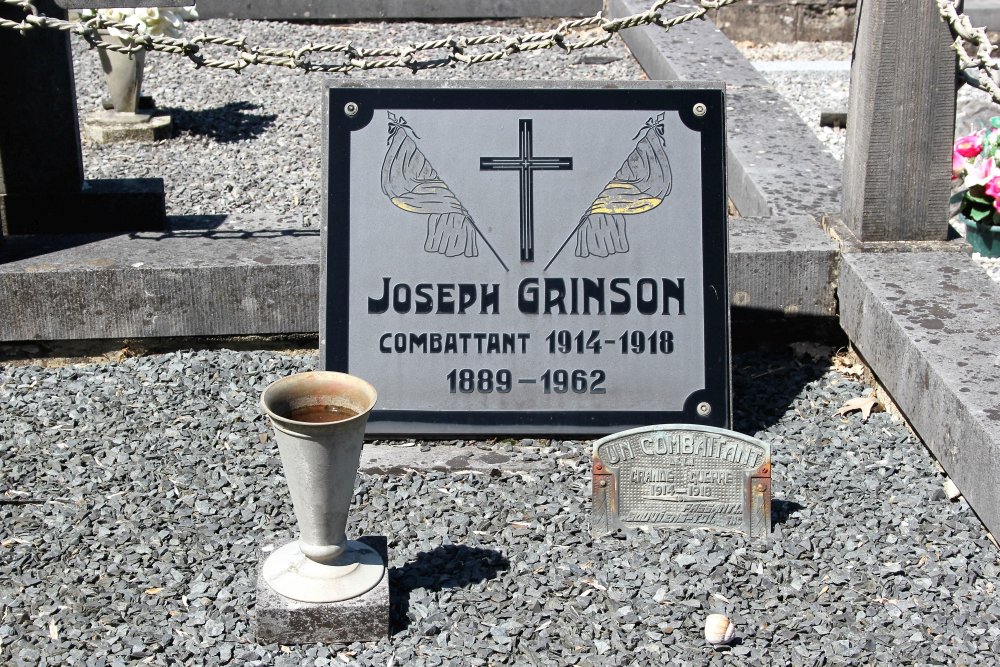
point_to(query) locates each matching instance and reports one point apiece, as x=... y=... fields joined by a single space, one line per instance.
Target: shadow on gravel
x=230 y=122
x=447 y=566
x=766 y=383
x=781 y=510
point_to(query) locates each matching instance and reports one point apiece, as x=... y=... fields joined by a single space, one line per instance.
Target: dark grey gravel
x=133 y=497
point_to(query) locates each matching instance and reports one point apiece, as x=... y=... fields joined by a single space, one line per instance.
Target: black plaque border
x=370 y=96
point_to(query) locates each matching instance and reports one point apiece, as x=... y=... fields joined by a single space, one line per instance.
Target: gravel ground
x=250 y=142
x=134 y=496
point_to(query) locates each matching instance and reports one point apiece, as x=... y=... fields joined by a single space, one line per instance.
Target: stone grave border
x=920 y=312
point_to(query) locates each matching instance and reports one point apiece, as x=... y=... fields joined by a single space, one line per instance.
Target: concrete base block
x=281 y=620
x=782 y=266
x=105 y=127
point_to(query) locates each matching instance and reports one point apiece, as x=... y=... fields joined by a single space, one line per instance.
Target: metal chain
x=974 y=49
x=355 y=57
x=972 y=44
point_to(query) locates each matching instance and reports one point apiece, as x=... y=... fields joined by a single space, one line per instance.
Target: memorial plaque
x=683 y=476
x=541 y=258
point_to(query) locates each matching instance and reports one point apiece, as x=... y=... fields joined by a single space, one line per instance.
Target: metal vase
x=320 y=451
x=123 y=73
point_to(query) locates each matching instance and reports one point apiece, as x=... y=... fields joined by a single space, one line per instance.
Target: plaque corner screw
x=351 y=109
x=704 y=409
x=700 y=109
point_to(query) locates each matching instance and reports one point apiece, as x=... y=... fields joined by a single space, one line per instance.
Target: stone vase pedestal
x=124 y=118
x=322 y=584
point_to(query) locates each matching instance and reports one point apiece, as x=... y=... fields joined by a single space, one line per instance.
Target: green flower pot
x=984 y=239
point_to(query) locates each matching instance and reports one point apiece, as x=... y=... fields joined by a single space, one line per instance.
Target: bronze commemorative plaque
x=682 y=475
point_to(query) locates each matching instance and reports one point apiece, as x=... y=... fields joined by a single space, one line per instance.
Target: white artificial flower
x=145 y=20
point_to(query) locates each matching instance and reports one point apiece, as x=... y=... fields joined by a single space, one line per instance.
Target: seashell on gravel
x=719 y=630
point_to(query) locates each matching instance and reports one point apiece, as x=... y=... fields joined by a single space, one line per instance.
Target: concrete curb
x=773 y=156
x=926 y=323
x=230 y=280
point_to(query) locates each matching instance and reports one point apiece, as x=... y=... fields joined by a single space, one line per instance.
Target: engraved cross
x=526 y=164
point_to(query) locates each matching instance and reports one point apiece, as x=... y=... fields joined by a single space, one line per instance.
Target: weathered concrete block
x=927 y=324
x=244 y=277
x=236 y=278
x=783 y=266
x=696 y=50
x=775 y=153
x=281 y=620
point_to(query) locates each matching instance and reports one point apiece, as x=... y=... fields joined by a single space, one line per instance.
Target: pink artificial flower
x=969 y=146
x=957 y=165
x=992 y=188
x=980 y=173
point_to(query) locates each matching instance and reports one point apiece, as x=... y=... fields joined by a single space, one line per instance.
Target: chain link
x=567 y=35
x=975 y=51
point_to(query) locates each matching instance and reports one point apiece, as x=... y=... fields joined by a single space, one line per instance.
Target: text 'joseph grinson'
x=548 y=296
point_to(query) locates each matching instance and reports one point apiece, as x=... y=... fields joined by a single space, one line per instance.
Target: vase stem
x=123 y=73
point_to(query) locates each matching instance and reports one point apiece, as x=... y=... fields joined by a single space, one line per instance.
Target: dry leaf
x=866 y=404
x=847 y=363
x=152 y=591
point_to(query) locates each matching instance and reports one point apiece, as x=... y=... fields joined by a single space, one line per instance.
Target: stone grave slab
x=527 y=258
x=686 y=476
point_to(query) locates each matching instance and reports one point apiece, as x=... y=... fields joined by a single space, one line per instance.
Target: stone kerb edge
x=930 y=356
x=775 y=160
